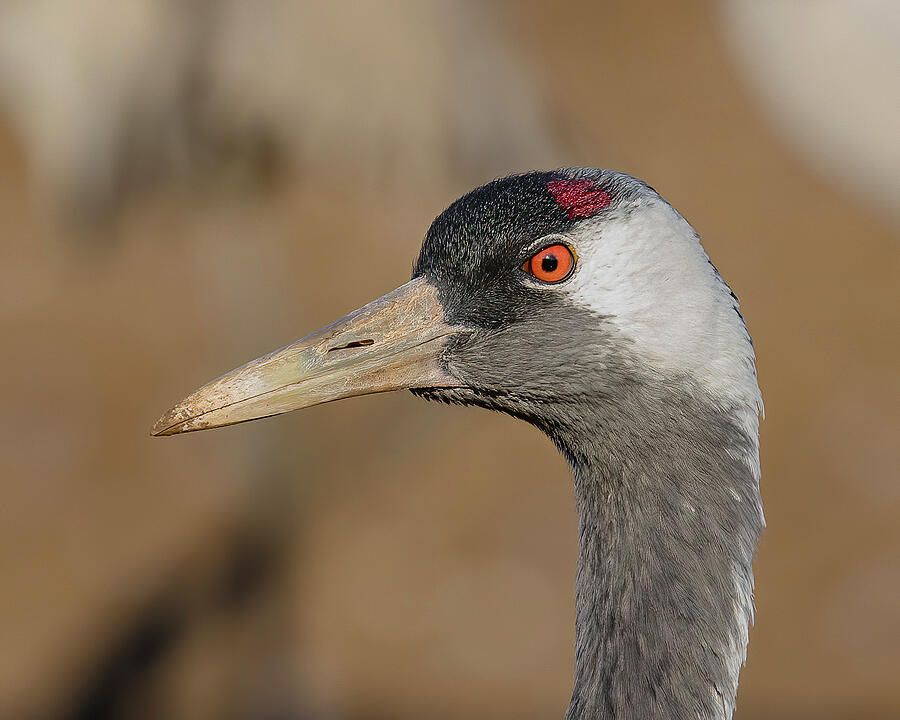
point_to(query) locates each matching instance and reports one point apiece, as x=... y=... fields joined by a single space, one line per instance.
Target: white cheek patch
x=643 y=268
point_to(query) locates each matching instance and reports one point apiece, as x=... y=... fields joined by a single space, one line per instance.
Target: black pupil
x=549 y=263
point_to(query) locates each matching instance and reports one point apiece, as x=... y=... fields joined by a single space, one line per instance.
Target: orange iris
x=552 y=264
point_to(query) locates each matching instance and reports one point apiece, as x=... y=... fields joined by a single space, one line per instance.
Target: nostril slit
x=354 y=344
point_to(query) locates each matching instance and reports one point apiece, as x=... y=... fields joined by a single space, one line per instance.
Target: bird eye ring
x=553 y=264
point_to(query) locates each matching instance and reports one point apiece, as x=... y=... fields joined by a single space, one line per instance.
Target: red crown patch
x=579 y=198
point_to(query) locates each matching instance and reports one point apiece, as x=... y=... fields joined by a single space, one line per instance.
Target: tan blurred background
x=187 y=184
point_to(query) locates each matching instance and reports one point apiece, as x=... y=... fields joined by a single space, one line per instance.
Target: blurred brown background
x=185 y=185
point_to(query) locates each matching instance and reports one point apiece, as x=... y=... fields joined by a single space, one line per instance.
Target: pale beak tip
x=160 y=430
x=171 y=423
x=163 y=426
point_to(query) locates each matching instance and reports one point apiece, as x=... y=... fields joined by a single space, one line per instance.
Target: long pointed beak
x=392 y=343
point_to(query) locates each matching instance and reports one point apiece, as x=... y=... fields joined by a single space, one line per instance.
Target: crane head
x=530 y=294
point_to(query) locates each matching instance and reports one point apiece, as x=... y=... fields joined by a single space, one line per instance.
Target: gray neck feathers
x=666 y=485
x=667 y=493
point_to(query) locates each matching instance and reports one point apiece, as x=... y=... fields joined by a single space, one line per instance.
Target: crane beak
x=393 y=343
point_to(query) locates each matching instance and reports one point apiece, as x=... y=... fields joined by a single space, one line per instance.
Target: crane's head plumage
x=642 y=302
x=639 y=303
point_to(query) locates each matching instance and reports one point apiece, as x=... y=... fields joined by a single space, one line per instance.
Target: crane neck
x=667 y=494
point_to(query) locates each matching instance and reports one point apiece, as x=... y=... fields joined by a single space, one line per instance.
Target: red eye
x=552 y=264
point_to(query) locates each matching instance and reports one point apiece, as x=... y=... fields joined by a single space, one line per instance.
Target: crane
x=582 y=302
